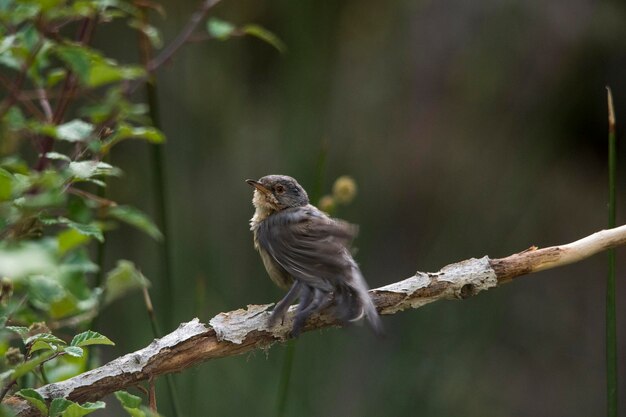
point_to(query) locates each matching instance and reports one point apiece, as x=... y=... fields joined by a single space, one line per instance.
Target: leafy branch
x=65 y=107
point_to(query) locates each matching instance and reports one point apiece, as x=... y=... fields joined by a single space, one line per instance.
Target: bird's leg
x=306 y=295
x=283 y=305
x=319 y=302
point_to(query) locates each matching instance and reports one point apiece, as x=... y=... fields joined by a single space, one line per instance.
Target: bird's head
x=278 y=192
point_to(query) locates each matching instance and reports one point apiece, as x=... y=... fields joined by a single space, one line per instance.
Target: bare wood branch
x=243 y=330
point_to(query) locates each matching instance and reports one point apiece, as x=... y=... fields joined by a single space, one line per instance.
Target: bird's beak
x=259 y=186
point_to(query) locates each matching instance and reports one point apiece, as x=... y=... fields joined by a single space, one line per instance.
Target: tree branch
x=243 y=330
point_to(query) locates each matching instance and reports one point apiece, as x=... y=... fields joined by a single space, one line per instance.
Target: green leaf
x=40 y=345
x=58 y=156
x=34 y=398
x=6 y=185
x=6 y=411
x=90 y=230
x=128 y=400
x=265 y=35
x=45 y=337
x=7 y=43
x=44 y=290
x=93 y=69
x=74 y=131
x=79 y=410
x=107 y=71
x=132 y=405
x=58 y=406
x=74 y=351
x=90 y=338
x=135 y=412
x=55 y=76
x=220 y=29
x=49 y=4
x=66 y=408
x=77 y=58
x=150 y=134
x=9 y=60
x=223 y=30
x=15 y=119
x=22 y=331
x=150 y=31
x=136 y=218
x=123 y=279
x=46 y=199
x=26 y=258
x=87 y=169
x=70 y=239
x=126 y=131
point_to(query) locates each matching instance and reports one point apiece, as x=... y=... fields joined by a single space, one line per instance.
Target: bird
x=307 y=253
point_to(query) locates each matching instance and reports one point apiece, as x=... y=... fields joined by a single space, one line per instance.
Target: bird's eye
x=279 y=189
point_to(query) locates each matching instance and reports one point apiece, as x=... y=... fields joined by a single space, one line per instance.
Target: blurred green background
x=472 y=128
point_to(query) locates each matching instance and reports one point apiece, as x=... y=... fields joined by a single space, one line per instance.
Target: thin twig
x=103 y=202
x=152 y=397
x=84 y=35
x=168 y=52
x=6 y=104
x=196 y=18
x=6 y=389
x=45 y=104
x=156 y=331
x=24 y=100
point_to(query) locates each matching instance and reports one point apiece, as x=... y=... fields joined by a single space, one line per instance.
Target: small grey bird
x=307 y=252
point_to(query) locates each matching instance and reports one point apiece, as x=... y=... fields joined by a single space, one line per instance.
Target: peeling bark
x=240 y=331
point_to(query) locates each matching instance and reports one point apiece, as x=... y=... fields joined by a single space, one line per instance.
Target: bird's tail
x=353 y=302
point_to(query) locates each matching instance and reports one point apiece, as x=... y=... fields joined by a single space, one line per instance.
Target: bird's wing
x=309 y=245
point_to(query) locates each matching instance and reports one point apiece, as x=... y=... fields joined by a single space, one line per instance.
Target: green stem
x=611 y=328
x=285 y=377
x=94 y=355
x=159 y=188
x=159 y=181
x=319 y=173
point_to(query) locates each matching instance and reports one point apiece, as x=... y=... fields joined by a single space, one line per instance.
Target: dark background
x=471 y=127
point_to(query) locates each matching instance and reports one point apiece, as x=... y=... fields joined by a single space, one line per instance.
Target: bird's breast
x=276 y=272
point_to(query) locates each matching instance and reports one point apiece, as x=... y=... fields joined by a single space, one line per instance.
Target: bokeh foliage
x=66 y=106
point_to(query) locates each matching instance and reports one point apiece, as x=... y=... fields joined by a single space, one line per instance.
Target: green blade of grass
x=285 y=378
x=159 y=188
x=611 y=331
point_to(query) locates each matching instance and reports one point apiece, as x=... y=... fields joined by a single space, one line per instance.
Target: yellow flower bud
x=344 y=189
x=327 y=204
